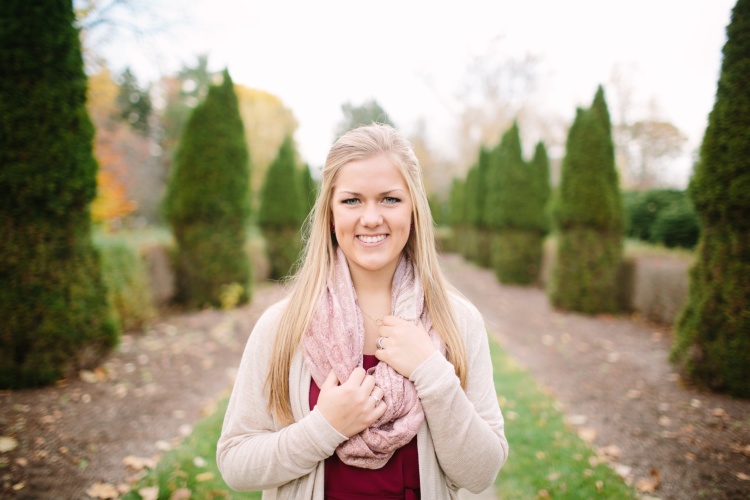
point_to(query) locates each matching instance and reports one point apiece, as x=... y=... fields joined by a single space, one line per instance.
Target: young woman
x=373 y=379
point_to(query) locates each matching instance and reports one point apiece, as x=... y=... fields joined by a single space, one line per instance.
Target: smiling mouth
x=371 y=239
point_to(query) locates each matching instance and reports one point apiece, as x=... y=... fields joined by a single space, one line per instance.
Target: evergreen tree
x=473 y=214
x=309 y=188
x=52 y=298
x=366 y=113
x=589 y=218
x=712 y=342
x=207 y=204
x=134 y=103
x=480 y=197
x=517 y=202
x=282 y=211
x=457 y=214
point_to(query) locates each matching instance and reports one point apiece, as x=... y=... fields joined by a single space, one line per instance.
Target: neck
x=368 y=283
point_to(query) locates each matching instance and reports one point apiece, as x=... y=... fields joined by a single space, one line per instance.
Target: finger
x=380 y=409
x=378 y=393
x=368 y=384
x=331 y=380
x=389 y=320
x=356 y=377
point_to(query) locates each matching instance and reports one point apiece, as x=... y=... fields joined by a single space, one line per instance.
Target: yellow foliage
x=111 y=202
x=267 y=121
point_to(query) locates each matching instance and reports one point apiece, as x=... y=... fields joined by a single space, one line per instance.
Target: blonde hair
x=317 y=259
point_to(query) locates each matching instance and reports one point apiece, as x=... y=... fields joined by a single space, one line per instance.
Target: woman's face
x=371 y=209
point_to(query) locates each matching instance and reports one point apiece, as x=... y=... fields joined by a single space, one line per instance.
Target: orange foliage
x=111 y=203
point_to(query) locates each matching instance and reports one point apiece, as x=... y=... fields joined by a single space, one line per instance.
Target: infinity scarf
x=335 y=340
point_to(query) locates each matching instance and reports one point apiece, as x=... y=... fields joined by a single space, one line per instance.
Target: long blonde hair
x=317 y=259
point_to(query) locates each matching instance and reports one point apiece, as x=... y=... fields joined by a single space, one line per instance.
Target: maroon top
x=397 y=479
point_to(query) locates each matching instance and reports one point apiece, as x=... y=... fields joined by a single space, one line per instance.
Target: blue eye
x=391 y=200
x=349 y=201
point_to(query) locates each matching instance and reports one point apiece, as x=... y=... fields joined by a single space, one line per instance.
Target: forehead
x=375 y=173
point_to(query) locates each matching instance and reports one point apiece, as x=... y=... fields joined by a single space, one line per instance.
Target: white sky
x=317 y=55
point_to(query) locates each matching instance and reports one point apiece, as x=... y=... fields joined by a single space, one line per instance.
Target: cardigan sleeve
x=253 y=453
x=467 y=427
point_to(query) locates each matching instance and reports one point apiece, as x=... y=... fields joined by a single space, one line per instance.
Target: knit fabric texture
x=335 y=340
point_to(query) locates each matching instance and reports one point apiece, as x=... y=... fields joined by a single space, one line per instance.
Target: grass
x=192 y=466
x=547 y=458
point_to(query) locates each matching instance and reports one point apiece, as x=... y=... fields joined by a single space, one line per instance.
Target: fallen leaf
x=88 y=376
x=18 y=486
x=611 y=451
x=719 y=412
x=204 y=476
x=743 y=477
x=665 y=421
x=634 y=394
x=7 y=443
x=543 y=494
x=649 y=484
x=599 y=486
x=199 y=462
x=150 y=493
x=102 y=490
x=138 y=463
x=180 y=494
x=623 y=470
x=553 y=477
x=587 y=434
x=23 y=462
x=540 y=455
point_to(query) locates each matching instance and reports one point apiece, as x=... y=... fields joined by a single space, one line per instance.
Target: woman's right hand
x=350 y=407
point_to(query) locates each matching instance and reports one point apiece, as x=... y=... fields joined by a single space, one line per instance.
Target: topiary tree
x=516 y=210
x=712 y=341
x=484 y=234
x=588 y=215
x=472 y=213
x=282 y=211
x=207 y=204
x=309 y=188
x=55 y=316
x=457 y=214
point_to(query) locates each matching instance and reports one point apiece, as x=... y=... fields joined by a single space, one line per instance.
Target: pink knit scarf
x=335 y=339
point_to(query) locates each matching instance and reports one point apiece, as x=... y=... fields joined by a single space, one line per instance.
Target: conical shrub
x=588 y=216
x=712 y=341
x=207 y=204
x=55 y=317
x=283 y=209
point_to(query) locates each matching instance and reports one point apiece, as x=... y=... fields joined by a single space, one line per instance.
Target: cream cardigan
x=461 y=442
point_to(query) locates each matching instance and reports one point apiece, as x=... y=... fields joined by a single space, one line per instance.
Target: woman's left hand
x=404 y=345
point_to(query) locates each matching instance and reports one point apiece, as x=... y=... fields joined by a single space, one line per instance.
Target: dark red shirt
x=397 y=479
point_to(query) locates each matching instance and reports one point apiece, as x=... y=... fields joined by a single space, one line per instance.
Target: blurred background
x=450 y=78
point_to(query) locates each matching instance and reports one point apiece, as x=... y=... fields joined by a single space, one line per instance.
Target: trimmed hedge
x=662 y=216
x=56 y=319
x=282 y=211
x=588 y=216
x=207 y=203
x=712 y=341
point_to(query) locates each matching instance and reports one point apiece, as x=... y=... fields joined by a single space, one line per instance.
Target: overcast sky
x=317 y=55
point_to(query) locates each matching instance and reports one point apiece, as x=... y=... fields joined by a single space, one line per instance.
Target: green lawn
x=547 y=458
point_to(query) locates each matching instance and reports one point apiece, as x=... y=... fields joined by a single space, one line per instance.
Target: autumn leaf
x=649 y=484
x=150 y=493
x=138 y=463
x=7 y=443
x=102 y=490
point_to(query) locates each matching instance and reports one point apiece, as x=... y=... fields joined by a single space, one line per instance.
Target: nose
x=371 y=217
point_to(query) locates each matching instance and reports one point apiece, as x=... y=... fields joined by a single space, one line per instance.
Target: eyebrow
x=354 y=193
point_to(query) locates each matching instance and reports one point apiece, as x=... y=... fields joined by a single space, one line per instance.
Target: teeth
x=372 y=239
